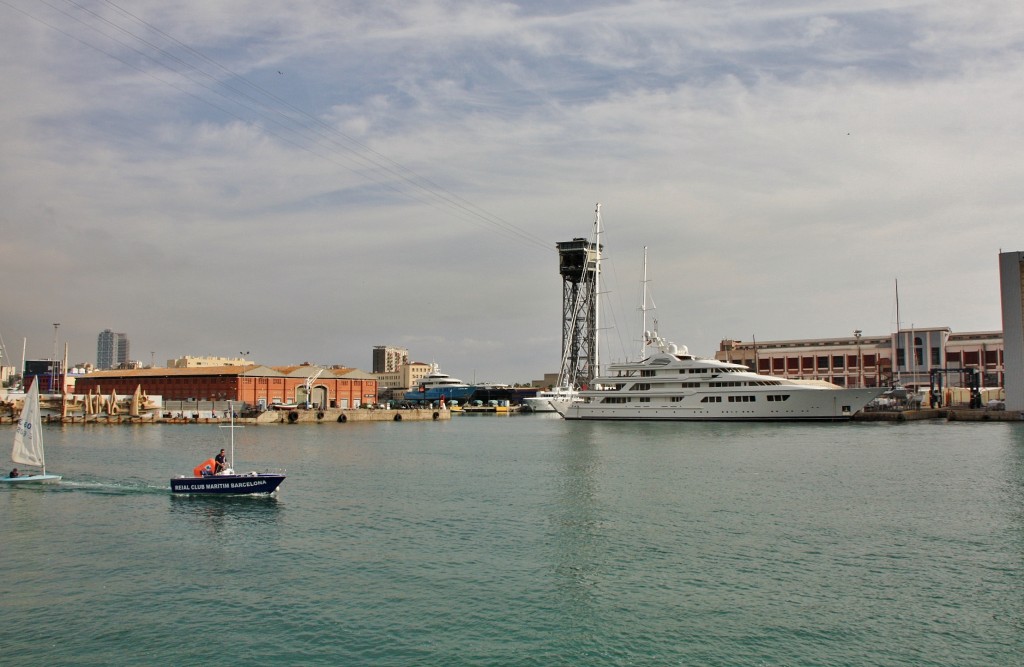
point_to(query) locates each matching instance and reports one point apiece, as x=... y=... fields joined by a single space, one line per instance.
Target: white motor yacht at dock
x=541 y=402
x=672 y=385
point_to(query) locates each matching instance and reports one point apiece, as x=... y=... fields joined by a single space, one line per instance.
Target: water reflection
x=577 y=522
x=217 y=511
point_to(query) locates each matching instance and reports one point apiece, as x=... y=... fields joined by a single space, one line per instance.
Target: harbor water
x=524 y=540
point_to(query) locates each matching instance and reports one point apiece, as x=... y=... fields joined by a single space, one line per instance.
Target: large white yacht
x=670 y=384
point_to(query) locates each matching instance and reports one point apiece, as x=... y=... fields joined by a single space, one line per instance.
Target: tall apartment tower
x=388 y=359
x=111 y=350
x=1011 y=283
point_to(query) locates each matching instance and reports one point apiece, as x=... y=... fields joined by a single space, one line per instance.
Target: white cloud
x=400 y=173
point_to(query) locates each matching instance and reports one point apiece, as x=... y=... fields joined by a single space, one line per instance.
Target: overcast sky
x=305 y=180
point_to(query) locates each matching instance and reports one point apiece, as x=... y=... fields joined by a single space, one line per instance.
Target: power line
x=295 y=126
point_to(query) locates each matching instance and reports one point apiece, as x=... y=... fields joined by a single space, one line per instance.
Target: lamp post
x=860 y=360
x=53 y=366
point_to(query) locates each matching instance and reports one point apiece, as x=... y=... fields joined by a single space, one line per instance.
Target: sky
x=302 y=181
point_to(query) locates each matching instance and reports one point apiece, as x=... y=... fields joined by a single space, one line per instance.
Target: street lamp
x=53 y=366
x=860 y=360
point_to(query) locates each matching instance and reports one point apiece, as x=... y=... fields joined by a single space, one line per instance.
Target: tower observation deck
x=579 y=263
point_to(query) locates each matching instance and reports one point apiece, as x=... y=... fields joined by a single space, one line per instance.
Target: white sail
x=28 y=437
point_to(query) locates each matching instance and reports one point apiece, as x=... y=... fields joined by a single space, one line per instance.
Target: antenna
x=643 y=309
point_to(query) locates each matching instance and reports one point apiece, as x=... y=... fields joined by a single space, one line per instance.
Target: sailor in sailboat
x=28 y=443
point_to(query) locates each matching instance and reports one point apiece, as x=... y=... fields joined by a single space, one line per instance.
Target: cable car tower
x=579 y=262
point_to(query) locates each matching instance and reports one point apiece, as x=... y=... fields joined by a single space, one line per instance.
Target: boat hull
x=260 y=483
x=538 y=404
x=837 y=405
x=434 y=394
x=31 y=479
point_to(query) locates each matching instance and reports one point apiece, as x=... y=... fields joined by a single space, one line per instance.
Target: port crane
x=309 y=387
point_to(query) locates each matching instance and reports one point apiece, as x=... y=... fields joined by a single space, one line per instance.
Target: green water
x=524 y=541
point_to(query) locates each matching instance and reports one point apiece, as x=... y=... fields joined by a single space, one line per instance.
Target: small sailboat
x=206 y=480
x=28 y=443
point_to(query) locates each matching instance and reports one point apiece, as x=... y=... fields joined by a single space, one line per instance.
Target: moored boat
x=542 y=401
x=435 y=386
x=672 y=385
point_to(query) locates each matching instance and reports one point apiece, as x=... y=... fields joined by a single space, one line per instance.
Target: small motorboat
x=206 y=480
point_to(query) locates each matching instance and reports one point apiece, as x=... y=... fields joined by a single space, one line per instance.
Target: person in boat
x=14 y=473
x=221 y=462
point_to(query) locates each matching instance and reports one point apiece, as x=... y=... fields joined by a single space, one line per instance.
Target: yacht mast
x=896 y=351
x=643 y=310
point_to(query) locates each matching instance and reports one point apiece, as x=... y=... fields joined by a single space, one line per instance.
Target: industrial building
x=259 y=386
x=907 y=357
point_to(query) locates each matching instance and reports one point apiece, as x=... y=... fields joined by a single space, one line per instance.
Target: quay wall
x=949 y=414
x=337 y=416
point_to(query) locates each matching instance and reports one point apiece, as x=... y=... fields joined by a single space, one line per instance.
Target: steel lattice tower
x=579 y=263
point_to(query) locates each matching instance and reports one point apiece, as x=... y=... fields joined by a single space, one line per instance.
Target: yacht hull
x=811 y=405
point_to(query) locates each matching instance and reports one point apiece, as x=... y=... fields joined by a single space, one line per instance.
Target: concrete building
x=907 y=356
x=1011 y=287
x=394 y=384
x=112 y=349
x=207 y=362
x=387 y=359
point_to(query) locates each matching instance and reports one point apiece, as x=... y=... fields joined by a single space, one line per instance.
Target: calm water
x=524 y=541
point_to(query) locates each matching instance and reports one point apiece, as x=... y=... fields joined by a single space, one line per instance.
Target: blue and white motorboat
x=436 y=385
x=207 y=480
